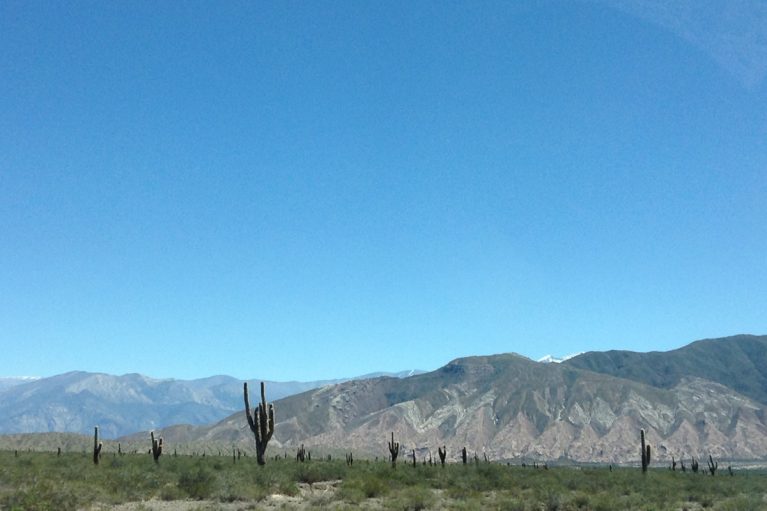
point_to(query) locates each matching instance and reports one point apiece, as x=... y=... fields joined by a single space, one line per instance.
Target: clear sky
x=303 y=190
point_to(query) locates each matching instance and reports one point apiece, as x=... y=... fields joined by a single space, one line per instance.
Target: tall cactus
x=645 y=453
x=156 y=447
x=261 y=423
x=394 y=450
x=96 y=446
x=442 y=451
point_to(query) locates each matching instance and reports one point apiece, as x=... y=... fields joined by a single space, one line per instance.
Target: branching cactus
x=394 y=450
x=156 y=447
x=712 y=466
x=645 y=453
x=442 y=451
x=261 y=423
x=301 y=454
x=96 y=446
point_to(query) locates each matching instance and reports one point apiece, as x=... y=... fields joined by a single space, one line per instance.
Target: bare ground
x=311 y=496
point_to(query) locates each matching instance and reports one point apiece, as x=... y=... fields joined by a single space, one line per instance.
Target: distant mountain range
x=708 y=397
x=120 y=405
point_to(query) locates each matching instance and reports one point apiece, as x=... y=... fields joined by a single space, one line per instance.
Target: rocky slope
x=510 y=407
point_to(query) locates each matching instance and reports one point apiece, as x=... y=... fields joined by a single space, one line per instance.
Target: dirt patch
x=310 y=496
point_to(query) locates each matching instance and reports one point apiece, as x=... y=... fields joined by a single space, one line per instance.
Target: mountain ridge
x=738 y=362
x=511 y=407
x=76 y=400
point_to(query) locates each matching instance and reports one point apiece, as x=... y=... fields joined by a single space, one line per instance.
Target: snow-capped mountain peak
x=551 y=359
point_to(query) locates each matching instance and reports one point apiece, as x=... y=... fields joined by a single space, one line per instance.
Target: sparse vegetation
x=41 y=481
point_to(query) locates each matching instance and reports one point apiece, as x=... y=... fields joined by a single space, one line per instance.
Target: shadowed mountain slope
x=738 y=362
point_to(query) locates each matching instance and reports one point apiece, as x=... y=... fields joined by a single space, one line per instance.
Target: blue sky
x=304 y=190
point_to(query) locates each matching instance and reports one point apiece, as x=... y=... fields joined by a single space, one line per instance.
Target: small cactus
x=96 y=446
x=156 y=447
x=442 y=451
x=394 y=450
x=645 y=453
x=301 y=454
x=712 y=466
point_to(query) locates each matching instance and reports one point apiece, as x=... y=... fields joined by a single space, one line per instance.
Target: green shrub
x=197 y=483
x=413 y=498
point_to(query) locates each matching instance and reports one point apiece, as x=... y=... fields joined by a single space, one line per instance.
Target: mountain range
x=120 y=405
x=709 y=397
x=705 y=398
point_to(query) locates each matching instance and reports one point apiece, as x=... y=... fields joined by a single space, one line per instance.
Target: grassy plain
x=45 y=481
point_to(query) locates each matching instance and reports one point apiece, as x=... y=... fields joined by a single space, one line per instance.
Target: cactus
x=261 y=423
x=712 y=466
x=694 y=465
x=673 y=463
x=96 y=446
x=394 y=450
x=463 y=454
x=645 y=453
x=156 y=447
x=350 y=459
x=414 y=461
x=301 y=454
x=442 y=451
